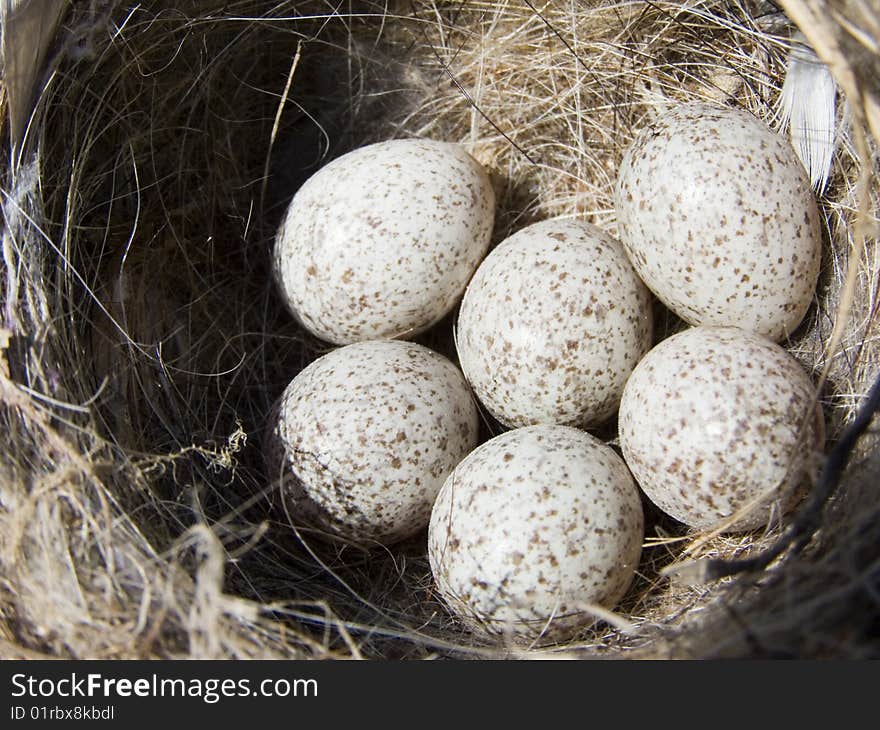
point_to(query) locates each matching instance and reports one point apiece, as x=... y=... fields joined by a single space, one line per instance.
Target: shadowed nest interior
x=144 y=342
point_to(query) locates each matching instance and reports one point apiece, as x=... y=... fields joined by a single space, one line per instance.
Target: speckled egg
x=363 y=438
x=719 y=220
x=381 y=242
x=709 y=423
x=552 y=324
x=534 y=529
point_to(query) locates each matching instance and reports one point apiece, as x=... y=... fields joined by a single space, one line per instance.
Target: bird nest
x=151 y=152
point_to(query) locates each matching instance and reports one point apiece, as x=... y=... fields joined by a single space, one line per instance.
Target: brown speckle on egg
x=719 y=219
x=363 y=438
x=381 y=242
x=526 y=545
x=709 y=422
x=551 y=325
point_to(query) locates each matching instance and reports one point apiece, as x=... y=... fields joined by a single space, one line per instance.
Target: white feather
x=807 y=107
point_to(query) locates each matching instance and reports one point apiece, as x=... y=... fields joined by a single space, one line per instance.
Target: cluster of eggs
x=536 y=530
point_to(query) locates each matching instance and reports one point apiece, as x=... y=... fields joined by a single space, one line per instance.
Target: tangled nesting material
x=144 y=344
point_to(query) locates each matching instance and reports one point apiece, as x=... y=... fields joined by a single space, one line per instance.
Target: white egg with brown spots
x=363 y=438
x=533 y=530
x=551 y=325
x=719 y=219
x=381 y=242
x=710 y=425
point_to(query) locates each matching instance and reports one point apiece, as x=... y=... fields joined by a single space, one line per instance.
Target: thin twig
x=281 y=104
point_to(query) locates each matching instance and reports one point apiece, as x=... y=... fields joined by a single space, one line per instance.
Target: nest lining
x=146 y=344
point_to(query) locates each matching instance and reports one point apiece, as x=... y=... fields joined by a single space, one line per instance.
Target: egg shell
x=709 y=422
x=534 y=528
x=364 y=436
x=718 y=217
x=381 y=242
x=551 y=325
